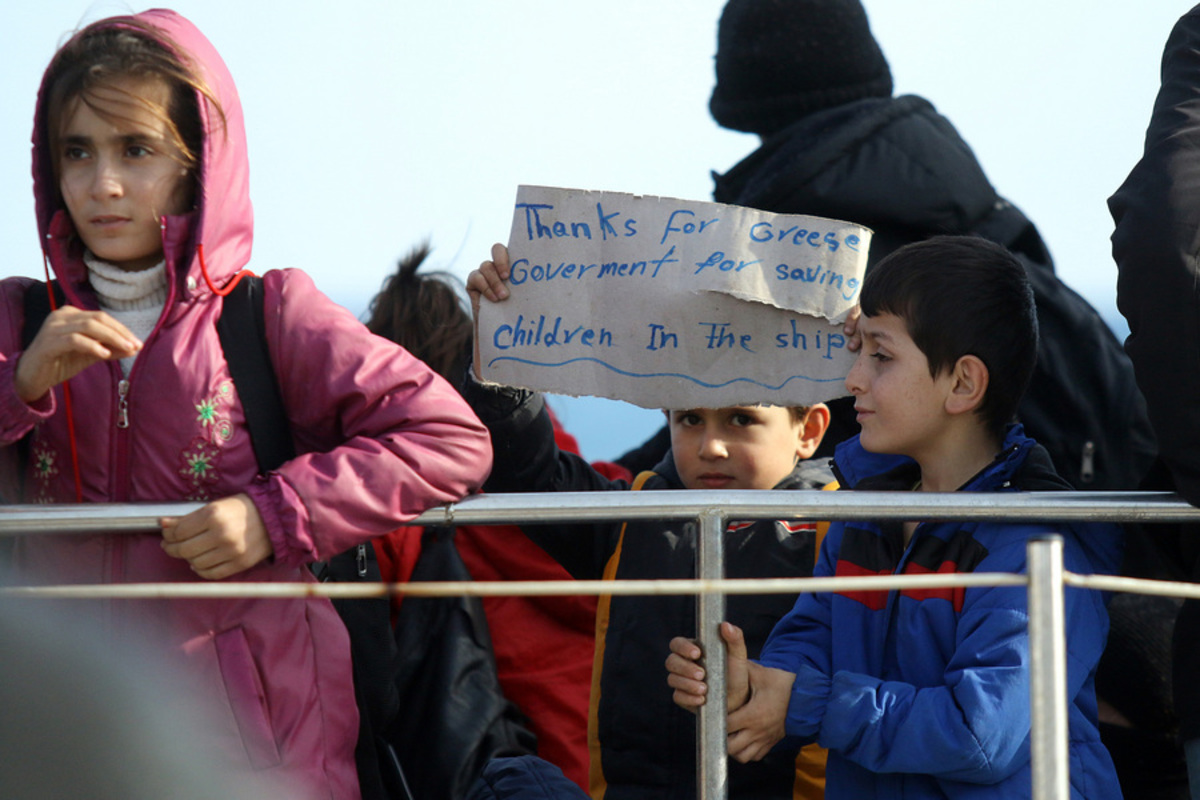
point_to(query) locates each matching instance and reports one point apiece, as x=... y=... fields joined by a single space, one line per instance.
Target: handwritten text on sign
x=671 y=303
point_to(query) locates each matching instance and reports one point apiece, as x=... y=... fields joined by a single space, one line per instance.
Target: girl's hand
x=490 y=280
x=223 y=538
x=70 y=341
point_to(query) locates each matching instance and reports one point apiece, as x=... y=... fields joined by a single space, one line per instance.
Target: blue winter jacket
x=925 y=693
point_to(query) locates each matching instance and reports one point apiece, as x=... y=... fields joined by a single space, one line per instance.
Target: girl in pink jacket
x=124 y=395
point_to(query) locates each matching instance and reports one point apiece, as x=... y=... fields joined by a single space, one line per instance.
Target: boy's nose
x=713 y=447
x=854 y=382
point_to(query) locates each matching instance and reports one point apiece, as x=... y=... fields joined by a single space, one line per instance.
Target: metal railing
x=1045 y=580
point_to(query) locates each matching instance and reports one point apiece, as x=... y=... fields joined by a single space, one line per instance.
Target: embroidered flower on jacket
x=213 y=413
x=200 y=466
x=207 y=412
x=200 y=462
x=44 y=465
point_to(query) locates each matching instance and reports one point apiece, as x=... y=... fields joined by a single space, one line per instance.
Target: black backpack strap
x=242 y=330
x=244 y=340
x=37 y=308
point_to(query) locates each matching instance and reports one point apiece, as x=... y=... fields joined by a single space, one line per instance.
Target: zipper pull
x=1087 y=465
x=123 y=403
x=361 y=561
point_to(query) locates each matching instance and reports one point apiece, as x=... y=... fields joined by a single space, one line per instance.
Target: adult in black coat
x=1155 y=242
x=809 y=78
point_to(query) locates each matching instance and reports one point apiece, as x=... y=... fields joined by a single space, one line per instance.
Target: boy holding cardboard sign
x=642 y=745
x=925 y=693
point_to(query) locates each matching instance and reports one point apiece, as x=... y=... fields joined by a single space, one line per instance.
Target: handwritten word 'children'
x=527 y=333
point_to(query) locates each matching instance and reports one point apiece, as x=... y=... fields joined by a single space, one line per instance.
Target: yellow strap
x=810 y=761
x=810 y=773
x=596 y=781
x=823 y=527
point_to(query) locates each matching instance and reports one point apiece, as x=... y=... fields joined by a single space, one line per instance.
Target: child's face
x=742 y=447
x=119 y=174
x=901 y=408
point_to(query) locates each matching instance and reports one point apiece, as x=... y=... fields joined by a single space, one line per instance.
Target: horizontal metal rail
x=712 y=510
x=670 y=586
x=534 y=508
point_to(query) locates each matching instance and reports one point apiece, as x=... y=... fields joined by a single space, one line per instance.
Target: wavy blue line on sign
x=696 y=381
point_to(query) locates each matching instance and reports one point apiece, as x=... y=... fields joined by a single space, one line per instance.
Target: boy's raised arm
x=526 y=456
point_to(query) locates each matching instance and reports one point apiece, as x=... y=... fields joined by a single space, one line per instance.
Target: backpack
x=1083 y=404
x=373 y=651
x=437 y=664
x=456 y=718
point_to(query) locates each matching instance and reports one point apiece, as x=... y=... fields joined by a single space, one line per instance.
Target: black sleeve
x=1155 y=244
x=527 y=459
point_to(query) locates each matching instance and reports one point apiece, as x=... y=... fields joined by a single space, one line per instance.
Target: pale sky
x=374 y=125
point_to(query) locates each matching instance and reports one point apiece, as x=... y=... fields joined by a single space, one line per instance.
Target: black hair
x=963 y=295
x=426 y=314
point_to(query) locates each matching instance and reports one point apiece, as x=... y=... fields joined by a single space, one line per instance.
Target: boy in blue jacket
x=925 y=693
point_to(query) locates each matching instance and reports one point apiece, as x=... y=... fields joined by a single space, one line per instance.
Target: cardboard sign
x=672 y=303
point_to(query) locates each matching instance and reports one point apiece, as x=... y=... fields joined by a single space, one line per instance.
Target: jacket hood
x=222 y=221
x=895 y=165
x=1021 y=464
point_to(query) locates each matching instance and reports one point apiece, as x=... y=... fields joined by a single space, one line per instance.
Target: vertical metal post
x=1048 y=670
x=712 y=764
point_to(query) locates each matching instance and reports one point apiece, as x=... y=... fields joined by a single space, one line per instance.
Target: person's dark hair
x=88 y=68
x=963 y=295
x=426 y=315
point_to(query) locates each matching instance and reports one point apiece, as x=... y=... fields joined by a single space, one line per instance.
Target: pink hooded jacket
x=380 y=438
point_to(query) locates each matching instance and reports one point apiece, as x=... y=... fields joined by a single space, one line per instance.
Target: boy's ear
x=968 y=385
x=812 y=430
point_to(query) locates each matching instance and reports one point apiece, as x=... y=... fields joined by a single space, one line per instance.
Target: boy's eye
x=687 y=419
x=741 y=419
x=880 y=356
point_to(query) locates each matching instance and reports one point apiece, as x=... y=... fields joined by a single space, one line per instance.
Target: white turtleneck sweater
x=136 y=299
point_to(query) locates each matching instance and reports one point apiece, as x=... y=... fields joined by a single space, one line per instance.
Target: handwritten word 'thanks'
x=536 y=228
